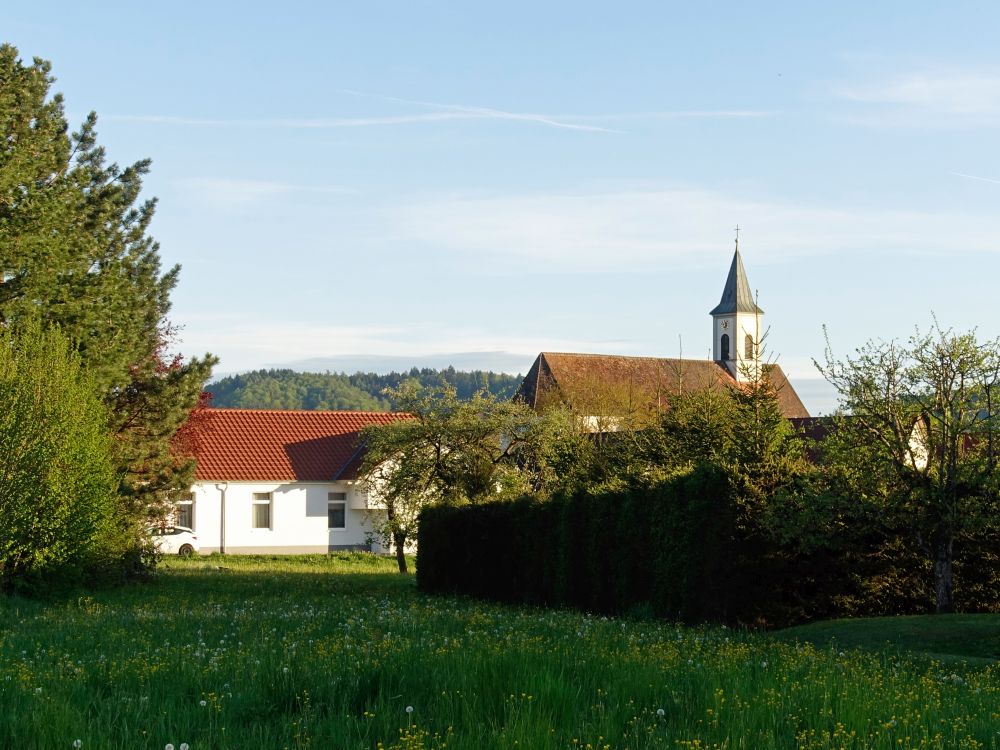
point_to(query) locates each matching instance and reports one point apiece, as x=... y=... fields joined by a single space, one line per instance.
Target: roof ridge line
x=298 y=411
x=628 y=356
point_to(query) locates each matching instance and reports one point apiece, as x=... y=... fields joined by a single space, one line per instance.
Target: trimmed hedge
x=679 y=550
x=690 y=550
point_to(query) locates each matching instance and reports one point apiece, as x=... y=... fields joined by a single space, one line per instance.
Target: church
x=612 y=392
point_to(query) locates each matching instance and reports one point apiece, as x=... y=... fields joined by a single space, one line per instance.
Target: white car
x=174 y=540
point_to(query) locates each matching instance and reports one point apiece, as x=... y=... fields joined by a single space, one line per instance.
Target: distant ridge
x=471 y=361
x=362 y=391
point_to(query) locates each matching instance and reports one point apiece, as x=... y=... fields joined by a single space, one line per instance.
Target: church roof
x=736 y=296
x=640 y=381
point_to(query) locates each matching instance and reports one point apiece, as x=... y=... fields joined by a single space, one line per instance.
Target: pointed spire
x=736 y=296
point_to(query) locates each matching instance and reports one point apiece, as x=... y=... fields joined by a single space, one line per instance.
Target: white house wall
x=298 y=518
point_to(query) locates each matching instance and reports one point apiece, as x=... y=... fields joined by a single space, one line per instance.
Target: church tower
x=737 y=325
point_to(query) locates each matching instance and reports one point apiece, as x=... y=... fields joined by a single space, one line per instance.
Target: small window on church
x=748 y=347
x=725 y=346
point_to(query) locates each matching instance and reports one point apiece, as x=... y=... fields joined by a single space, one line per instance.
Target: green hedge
x=680 y=550
x=691 y=549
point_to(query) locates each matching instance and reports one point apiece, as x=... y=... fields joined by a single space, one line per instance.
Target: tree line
x=92 y=396
x=362 y=391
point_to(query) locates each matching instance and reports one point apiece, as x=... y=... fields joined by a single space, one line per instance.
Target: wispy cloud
x=301 y=123
x=665 y=229
x=975 y=177
x=680 y=114
x=444 y=112
x=479 y=112
x=943 y=97
x=953 y=93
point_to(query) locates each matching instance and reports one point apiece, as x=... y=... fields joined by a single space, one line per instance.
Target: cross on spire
x=737 y=236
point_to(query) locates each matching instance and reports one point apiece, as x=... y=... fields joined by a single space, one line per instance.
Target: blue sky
x=390 y=183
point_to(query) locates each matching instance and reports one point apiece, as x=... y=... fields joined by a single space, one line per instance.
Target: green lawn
x=330 y=652
x=948 y=638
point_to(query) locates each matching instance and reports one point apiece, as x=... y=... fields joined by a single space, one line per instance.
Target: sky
x=374 y=185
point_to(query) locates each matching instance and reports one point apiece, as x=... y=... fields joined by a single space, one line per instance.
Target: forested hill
x=362 y=391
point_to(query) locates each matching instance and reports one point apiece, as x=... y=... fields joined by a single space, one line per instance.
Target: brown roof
x=643 y=381
x=271 y=445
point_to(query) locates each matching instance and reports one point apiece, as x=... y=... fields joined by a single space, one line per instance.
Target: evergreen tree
x=75 y=253
x=696 y=428
x=147 y=412
x=765 y=453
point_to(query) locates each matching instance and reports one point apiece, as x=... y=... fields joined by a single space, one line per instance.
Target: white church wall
x=738 y=326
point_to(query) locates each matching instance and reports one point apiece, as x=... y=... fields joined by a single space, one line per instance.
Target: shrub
x=58 y=522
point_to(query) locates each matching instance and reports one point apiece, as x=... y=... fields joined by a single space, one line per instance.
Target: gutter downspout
x=222 y=487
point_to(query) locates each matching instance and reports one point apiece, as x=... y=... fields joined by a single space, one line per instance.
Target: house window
x=336 y=510
x=185 y=511
x=725 y=346
x=748 y=347
x=262 y=510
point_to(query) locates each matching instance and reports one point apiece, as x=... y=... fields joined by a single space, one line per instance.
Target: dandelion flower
x=169 y=746
x=201 y=703
x=409 y=709
x=77 y=743
x=660 y=712
x=185 y=746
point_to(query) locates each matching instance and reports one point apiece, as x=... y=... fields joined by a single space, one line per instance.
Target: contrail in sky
x=485 y=112
x=974 y=177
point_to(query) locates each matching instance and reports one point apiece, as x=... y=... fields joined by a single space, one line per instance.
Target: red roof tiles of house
x=242 y=445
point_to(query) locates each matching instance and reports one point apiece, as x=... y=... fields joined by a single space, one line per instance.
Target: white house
x=280 y=482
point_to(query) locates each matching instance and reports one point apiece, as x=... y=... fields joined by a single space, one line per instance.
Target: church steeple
x=736 y=325
x=736 y=295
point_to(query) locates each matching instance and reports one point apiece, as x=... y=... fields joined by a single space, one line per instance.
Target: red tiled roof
x=271 y=445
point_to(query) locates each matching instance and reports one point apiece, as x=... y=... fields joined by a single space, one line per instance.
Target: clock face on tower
x=725 y=325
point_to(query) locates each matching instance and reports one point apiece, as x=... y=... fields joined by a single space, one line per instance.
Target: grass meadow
x=340 y=652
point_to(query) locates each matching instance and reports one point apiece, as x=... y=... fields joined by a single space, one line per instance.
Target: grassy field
x=342 y=653
x=969 y=639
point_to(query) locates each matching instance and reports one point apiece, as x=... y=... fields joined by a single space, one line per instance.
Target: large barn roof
x=652 y=380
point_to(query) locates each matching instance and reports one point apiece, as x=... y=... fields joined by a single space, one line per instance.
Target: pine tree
x=75 y=253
